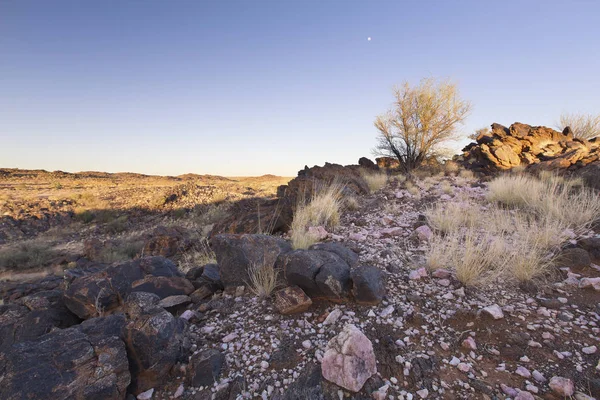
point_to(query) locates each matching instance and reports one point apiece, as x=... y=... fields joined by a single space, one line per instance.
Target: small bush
x=375 y=180
x=123 y=251
x=85 y=216
x=27 y=255
x=118 y=225
x=472 y=257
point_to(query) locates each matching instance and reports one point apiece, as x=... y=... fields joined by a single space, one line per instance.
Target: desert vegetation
x=321 y=209
x=514 y=231
x=423 y=119
x=583 y=126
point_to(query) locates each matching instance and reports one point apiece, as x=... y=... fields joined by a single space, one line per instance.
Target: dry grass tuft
x=412 y=189
x=351 y=203
x=446 y=187
x=450 y=217
x=375 y=180
x=553 y=198
x=322 y=210
x=198 y=255
x=399 y=178
x=263 y=280
x=472 y=257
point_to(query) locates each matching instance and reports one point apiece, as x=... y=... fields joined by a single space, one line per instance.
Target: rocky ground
x=361 y=317
x=432 y=337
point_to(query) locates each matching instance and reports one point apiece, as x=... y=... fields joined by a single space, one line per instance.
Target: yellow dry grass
x=322 y=210
x=263 y=280
x=374 y=180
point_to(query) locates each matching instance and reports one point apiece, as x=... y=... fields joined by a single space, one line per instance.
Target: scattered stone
x=441 y=273
x=469 y=343
x=147 y=395
x=418 y=274
x=381 y=393
x=173 y=301
x=179 y=392
x=590 y=283
x=292 y=300
x=562 y=386
x=386 y=311
x=589 y=349
x=349 y=359
x=333 y=317
x=494 y=311
x=522 y=371
x=537 y=375
x=464 y=367
x=229 y=338
x=424 y=232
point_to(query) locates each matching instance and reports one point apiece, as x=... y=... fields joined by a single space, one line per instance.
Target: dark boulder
x=154 y=340
x=368 y=286
x=205 y=368
x=574 y=258
x=592 y=245
x=345 y=253
x=320 y=274
x=207 y=275
x=103 y=292
x=237 y=254
x=367 y=163
x=112 y=325
x=333 y=281
x=33 y=316
x=66 y=364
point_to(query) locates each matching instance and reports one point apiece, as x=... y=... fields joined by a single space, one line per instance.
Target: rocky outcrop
x=367 y=163
x=387 y=162
x=33 y=316
x=66 y=364
x=275 y=215
x=540 y=147
x=237 y=254
x=154 y=340
x=104 y=291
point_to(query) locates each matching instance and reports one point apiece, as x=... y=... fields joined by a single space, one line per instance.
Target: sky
x=254 y=87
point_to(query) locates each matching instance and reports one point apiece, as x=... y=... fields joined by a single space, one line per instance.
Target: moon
x=369 y=39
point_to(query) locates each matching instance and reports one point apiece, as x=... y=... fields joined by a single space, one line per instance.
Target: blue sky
x=255 y=87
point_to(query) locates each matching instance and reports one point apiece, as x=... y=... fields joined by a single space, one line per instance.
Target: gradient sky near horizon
x=255 y=87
